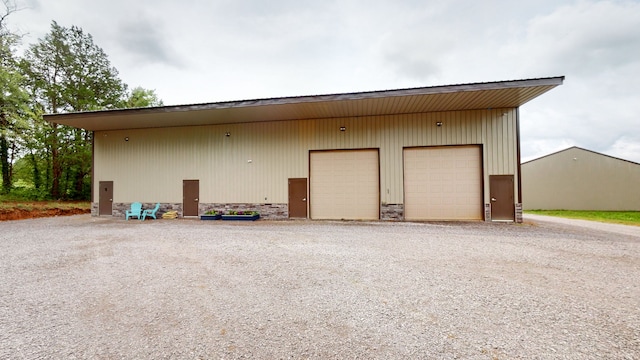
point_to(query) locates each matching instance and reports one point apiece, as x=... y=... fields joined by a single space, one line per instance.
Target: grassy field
x=617 y=217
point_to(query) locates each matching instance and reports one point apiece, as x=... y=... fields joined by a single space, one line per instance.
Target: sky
x=199 y=51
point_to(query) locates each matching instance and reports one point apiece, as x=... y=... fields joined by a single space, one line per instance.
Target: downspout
x=93 y=163
x=518 y=155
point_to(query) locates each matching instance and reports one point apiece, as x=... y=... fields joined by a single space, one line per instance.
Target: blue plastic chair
x=136 y=210
x=150 y=212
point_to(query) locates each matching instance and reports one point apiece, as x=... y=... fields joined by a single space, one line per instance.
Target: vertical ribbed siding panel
x=509 y=151
x=486 y=149
x=504 y=140
x=396 y=142
x=477 y=130
x=496 y=141
x=423 y=128
x=451 y=129
x=493 y=143
x=504 y=120
x=436 y=132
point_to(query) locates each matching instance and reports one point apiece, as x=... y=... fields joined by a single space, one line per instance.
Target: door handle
x=195 y=199
x=110 y=199
x=304 y=199
x=494 y=199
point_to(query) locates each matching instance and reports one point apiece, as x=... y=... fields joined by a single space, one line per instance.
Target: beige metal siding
x=152 y=164
x=344 y=185
x=577 y=179
x=443 y=183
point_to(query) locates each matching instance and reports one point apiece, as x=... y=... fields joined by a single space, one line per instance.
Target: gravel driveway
x=82 y=287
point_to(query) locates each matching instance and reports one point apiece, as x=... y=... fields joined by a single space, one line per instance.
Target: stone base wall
x=388 y=212
x=267 y=211
x=519 y=213
x=392 y=212
x=119 y=209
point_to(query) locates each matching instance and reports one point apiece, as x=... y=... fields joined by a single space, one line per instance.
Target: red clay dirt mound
x=19 y=214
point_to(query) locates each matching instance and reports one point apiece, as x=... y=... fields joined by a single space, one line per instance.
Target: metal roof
x=499 y=94
x=580 y=149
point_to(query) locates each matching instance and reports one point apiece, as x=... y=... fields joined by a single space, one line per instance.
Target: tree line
x=65 y=71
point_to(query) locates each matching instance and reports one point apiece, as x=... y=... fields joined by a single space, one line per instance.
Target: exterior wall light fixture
x=126 y=138
x=439 y=123
x=227 y=134
x=343 y=128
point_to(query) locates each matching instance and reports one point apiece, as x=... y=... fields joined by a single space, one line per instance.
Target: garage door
x=344 y=185
x=443 y=183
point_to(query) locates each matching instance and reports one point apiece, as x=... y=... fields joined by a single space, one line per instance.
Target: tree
x=140 y=98
x=13 y=99
x=13 y=107
x=9 y=8
x=67 y=72
x=70 y=73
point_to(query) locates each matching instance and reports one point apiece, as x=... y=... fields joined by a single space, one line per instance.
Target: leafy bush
x=235 y=212
x=29 y=194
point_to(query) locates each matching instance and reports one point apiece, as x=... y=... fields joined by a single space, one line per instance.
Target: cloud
x=143 y=40
x=32 y=4
x=454 y=41
x=597 y=46
x=542 y=147
x=585 y=38
x=199 y=51
x=626 y=148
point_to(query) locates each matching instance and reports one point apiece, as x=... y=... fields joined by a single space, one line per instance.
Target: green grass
x=616 y=217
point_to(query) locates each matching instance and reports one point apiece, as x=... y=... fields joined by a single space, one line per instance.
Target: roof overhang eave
x=496 y=94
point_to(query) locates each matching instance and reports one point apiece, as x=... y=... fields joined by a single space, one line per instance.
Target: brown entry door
x=502 y=204
x=105 y=199
x=298 y=198
x=190 y=197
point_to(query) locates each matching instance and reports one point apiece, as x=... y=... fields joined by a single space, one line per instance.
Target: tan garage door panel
x=443 y=183
x=344 y=185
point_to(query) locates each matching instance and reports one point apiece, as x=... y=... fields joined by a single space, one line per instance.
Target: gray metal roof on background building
x=581 y=149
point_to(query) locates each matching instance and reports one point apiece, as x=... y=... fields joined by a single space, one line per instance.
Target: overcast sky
x=194 y=51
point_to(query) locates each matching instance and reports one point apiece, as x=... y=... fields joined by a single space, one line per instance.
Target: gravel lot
x=82 y=287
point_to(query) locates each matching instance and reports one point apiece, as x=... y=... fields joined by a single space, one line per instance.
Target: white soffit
x=505 y=94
